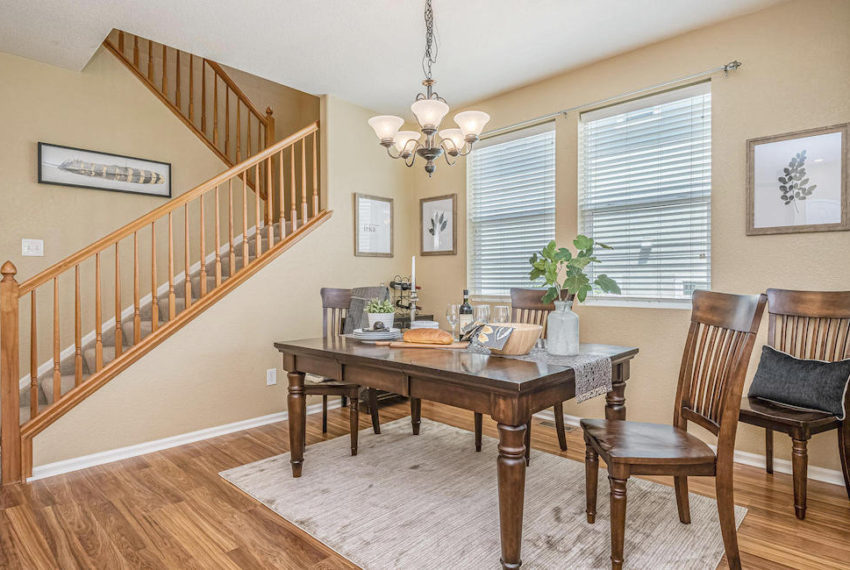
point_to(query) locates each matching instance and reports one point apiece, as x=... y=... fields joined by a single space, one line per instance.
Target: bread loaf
x=427 y=336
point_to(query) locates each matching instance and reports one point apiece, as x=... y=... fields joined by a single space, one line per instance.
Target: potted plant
x=378 y=311
x=564 y=271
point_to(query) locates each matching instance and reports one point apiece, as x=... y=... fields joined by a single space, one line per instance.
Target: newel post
x=270 y=138
x=10 y=427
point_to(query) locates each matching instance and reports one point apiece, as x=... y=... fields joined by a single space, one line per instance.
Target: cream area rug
x=430 y=501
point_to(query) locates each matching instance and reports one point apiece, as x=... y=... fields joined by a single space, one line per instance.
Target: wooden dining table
x=507 y=389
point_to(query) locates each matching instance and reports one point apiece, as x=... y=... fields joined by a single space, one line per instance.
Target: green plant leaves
x=560 y=269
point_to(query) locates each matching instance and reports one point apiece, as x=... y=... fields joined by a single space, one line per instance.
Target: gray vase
x=562 y=330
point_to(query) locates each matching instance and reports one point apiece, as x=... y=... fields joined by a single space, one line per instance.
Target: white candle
x=413 y=274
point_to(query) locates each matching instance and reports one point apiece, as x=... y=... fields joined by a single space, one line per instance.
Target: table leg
x=297 y=421
x=511 y=467
x=615 y=400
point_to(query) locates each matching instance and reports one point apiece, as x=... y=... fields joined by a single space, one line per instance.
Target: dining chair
x=527 y=307
x=718 y=348
x=335 y=303
x=808 y=325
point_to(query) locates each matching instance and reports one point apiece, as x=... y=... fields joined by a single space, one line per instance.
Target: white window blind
x=510 y=207
x=645 y=190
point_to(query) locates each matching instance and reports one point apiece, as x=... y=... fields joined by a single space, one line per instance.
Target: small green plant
x=378 y=306
x=550 y=262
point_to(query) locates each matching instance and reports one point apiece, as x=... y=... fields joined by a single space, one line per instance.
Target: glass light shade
x=386 y=126
x=472 y=122
x=455 y=136
x=429 y=112
x=403 y=138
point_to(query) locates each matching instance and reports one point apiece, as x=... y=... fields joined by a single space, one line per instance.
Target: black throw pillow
x=810 y=384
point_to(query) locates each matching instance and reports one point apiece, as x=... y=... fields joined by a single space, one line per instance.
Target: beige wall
x=789 y=81
x=212 y=371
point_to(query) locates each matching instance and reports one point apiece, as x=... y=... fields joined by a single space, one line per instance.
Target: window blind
x=510 y=207
x=645 y=190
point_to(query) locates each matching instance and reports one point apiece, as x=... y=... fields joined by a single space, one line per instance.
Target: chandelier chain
x=430 y=56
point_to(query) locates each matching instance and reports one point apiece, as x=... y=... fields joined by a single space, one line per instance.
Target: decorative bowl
x=521 y=341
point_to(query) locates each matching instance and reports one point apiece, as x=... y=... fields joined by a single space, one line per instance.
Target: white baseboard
x=833 y=476
x=102 y=457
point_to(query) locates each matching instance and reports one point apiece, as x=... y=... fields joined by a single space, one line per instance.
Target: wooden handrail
x=230 y=83
x=153 y=215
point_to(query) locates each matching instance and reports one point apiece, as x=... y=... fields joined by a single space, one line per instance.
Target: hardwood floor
x=170 y=509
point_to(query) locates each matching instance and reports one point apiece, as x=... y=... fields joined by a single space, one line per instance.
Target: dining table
x=509 y=390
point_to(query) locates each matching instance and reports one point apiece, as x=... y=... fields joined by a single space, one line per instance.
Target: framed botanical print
x=437 y=225
x=797 y=182
x=373 y=226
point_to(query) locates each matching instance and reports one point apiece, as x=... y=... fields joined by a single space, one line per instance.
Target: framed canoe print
x=437 y=227
x=373 y=226
x=797 y=182
x=68 y=166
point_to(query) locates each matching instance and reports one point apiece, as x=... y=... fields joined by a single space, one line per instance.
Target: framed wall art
x=797 y=182
x=373 y=226
x=437 y=225
x=68 y=166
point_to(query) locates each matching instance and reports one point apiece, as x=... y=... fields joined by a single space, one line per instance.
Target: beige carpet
x=429 y=501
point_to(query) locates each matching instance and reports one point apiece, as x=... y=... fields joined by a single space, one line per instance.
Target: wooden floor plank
x=171 y=509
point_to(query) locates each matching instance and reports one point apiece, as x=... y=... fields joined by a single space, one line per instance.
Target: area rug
x=430 y=501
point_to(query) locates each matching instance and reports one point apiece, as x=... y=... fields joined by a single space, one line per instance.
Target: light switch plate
x=271 y=376
x=32 y=247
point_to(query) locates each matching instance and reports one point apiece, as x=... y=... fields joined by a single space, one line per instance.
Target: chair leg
x=528 y=443
x=324 y=414
x=344 y=401
x=354 y=423
x=768 y=450
x=726 y=511
x=844 y=452
x=373 y=410
x=478 y=429
x=799 y=467
x=681 y=484
x=591 y=474
x=618 y=520
x=415 y=414
x=559 y=425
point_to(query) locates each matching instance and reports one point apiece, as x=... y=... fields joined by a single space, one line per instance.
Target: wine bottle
x=465 y=311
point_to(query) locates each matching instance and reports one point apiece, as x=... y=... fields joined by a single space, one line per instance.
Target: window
x=510 y=207
x=645 y=190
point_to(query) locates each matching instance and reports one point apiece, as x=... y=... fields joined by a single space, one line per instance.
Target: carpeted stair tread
x=66 y=382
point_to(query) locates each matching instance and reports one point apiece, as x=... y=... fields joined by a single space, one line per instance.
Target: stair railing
x=288 y=171
x=227 y=121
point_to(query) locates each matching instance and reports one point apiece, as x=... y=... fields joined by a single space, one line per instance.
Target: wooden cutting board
x=398 y=344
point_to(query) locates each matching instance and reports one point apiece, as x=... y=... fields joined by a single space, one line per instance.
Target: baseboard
x=102 y=457
x=832 y=476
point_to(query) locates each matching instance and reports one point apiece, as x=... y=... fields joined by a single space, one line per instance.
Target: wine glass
x=481 y=313
x=452 y=316
x=501 y=314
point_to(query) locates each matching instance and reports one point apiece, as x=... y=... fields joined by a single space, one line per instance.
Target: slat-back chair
x=809 y=325
x=335 y=303
x=711 y=378
x=527 y=306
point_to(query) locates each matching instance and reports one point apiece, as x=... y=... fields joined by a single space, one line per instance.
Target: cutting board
x=397 y=344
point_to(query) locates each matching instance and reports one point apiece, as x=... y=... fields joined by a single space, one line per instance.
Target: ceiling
x=366 y=51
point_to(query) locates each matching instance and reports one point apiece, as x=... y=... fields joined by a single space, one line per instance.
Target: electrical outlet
x=32 y=247
x=271 y=376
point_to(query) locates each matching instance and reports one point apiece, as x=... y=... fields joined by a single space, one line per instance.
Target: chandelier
x=429 y=109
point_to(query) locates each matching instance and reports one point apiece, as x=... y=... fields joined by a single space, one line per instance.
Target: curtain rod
x=731 y=66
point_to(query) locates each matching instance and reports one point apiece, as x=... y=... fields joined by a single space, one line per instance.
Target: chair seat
x=646 y=444
x=785 y=418
x=330 y=387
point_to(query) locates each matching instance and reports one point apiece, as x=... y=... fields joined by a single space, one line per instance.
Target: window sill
x=684 y=304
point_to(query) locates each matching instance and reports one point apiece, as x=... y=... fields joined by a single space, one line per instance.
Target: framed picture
x=373 y=226
x=67 y=166
x=797 y=182
x=437 y=227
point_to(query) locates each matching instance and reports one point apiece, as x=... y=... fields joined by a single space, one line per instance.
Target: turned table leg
x=615 y=400
x=511 y=467
x=297 y=421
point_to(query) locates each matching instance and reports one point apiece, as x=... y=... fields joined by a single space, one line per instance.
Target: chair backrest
x=527 y=306
x=714 y=364
x=809 y=324
x=335 y=303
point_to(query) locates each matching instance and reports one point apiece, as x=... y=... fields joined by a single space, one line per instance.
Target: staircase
x=141 y=283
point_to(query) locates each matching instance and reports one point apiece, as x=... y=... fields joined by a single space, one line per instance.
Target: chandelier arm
x=390 y=154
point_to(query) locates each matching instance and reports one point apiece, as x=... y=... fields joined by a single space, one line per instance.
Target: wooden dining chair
x=717 y=351
x=808 y=325
x=527 y=307
x=335 y=303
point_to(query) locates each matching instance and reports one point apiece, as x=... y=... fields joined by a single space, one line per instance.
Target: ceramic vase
x=562 y=330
